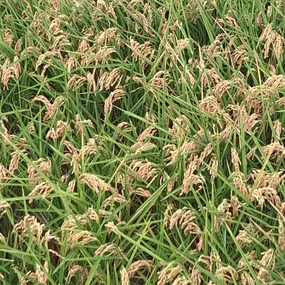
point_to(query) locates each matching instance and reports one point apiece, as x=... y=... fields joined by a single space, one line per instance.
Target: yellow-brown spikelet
x=272 y=38
x=139 y=265
x=93 y=146
x=167 y=216
x=14 y=162
x=112 y=228
x=143 y=21
x=125 y=127
x=95 y=183
x=124 y=277
x=55 y=4
x=29 y=226
x=187 y=77
x=190 y=178
x=108 y=249
x=281 y=228
x=75 y=81
x=251 y=153
x=71 y=63
x=61 y=129
x=16 y=67
x=4 y=206
x=105 y=8
x=71 y=223
x=143 y=170
x=48 y=237
x=278 y=129
x=118 y=198
x=54 y=27
x=196 y=276
x=8 y=36
x=140 y=147
x=141 y=192
x=236 y=205
x=224 y=215
x=75 y=269
x=44 y=189
x=39 y=167
x=181 y=280
x=213 y=167
x=45 y=58
x=79 y=238
x=75 y=157
x=171 y=184
x=274 y=150
x=259 y=97
x=182 y=44
x=107 y=214
x=103 y=53
x=106 y=36
x=160 y=80
x=245 y=236
x=7 y=72
x=114 y=96
x=167 y=274
x=246 y=279
x=171 y=153
x=18 y=45
x=143 y=52
x=51 y=108
x=249 y=258
x=266 y=263
x=215 y=49
x=180 y=128
x=110 y=79
x=267 y=179
x=186 y=220
x=272 y=70
x=206 y=152
x=40 y=276
x=266 y=194
x=84 y=50
x=221 y=88
x=227 y=274
x=146 y=134
x=59 y=43
x=242 y=118
x=4 y=173
x=91 y=81
x=92 y=215
x=210 y=77
x=225 y=133
x=275 y=81
x=235 y=159
x=240 y=56
x=210 y=105
x=230 y=20
x=80 y=124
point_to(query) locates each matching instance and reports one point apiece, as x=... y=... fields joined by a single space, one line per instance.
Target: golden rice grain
x=51 y=108
x=43 y=189
x=75 y=269
x=29 y=226
x=108 y=249
x=124 y=277
x=168 y=273
x=95 y=183
x=139 y=265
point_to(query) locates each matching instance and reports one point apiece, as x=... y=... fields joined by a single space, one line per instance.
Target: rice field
x=142 y=142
